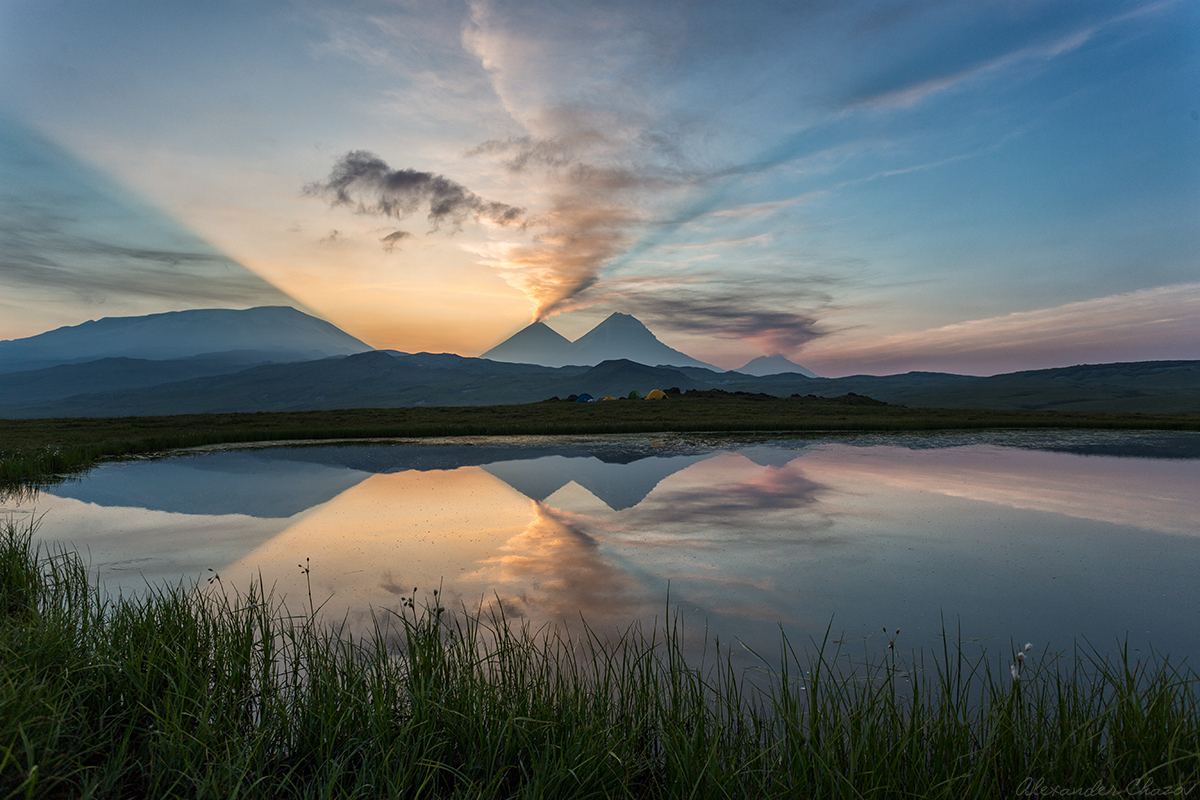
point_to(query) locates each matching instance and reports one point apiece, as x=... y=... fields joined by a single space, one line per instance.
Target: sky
x=863 y=187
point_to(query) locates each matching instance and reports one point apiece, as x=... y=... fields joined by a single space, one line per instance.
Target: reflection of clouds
x=773 y=489
x=1154 y=495
x=554 y=569
x=730 y=498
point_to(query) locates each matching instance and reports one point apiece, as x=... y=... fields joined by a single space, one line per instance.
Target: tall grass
x=192 y=692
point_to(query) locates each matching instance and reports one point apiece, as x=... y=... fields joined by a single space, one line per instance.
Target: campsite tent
x=657 y=394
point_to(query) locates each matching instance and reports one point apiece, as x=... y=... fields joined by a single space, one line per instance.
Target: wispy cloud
x=911 y=93
x=1163 y=320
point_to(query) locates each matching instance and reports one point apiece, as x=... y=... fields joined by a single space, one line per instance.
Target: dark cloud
x=780 y=316
x=394 y=238
x=775 y=331
x=364 y=182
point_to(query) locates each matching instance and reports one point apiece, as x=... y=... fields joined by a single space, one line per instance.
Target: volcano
x=774 y=365
x=620 y=336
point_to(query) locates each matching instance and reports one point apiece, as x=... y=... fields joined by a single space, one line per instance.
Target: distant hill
x=275 y=333
x=620 y=336
x=1167 y=387
x=119 y=374
x=774 y=365
x=380 y=379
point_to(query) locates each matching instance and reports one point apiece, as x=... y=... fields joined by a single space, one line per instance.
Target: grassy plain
x=188 y=692
x=38 y=450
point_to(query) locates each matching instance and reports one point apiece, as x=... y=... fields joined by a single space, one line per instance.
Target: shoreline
x=43 y=451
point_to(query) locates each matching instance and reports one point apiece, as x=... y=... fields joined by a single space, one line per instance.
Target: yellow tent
x=657 y=394
x=610 y=397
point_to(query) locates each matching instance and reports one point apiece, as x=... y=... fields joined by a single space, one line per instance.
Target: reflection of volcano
x=402 y=456
x=279 y=482
x=235 y=482
x=619 y=485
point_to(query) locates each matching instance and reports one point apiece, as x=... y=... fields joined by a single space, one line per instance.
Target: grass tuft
x=191 y=691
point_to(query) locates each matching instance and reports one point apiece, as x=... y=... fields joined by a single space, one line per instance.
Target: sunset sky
x=864 y=187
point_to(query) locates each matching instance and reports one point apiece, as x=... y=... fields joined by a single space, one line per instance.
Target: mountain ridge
x=379 y=379
x=281 y=331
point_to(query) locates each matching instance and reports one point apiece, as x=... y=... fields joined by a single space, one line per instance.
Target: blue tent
x=585 y=398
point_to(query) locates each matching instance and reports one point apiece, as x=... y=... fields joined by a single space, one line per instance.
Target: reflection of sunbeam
x=554 y=569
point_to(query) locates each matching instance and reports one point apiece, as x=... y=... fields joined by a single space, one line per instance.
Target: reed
x=193 y=691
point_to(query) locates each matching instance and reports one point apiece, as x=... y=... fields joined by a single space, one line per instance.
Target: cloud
x=918 y=88
x=1160 y=323
x=775 y=331
x=780 y=315
x=364 y=182
x=394 y=238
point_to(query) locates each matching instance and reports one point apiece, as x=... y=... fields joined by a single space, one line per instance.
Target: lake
x=1054 y=538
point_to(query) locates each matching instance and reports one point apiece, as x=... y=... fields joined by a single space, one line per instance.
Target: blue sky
x=864 y=187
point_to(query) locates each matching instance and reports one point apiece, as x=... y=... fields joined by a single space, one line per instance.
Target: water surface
x=1054 y=538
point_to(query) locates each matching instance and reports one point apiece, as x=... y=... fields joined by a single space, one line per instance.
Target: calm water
x=1049 y=538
